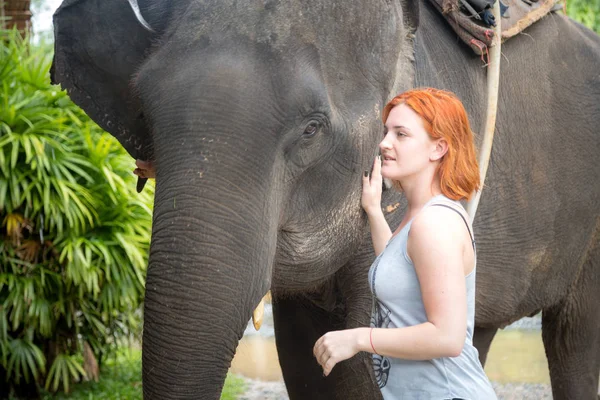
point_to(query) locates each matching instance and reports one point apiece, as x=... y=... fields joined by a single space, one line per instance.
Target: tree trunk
x=16 y=13
x=90 y=365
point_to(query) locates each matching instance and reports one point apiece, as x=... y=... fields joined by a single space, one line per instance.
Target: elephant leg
x=299 y=322
x=571 y=334
x=482 y=340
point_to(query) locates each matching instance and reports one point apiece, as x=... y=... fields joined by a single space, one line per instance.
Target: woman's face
x=406 y=149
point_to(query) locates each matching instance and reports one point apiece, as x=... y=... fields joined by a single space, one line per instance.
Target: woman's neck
x=419 y=192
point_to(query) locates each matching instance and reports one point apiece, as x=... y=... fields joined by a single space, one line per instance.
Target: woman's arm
x=371 y=203
x=436 y=242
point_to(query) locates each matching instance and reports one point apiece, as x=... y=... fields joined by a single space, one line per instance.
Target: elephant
x=261 y=117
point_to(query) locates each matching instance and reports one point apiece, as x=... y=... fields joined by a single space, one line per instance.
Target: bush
x=74 y=234
x=586 y=12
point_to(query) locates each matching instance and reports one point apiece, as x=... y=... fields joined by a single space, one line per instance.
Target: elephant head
x=260 y=118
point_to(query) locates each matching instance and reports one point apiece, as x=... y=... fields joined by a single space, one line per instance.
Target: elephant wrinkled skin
x=261 y=116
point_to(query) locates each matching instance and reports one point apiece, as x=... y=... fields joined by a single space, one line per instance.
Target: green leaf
x=14 y=154
x=25 y=360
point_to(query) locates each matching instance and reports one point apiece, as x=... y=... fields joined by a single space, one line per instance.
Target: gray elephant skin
x=261 y=117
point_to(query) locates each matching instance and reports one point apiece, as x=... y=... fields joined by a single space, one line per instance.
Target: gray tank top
x=397 y=303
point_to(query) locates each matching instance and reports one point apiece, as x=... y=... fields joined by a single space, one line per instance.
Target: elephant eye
x=311 y=129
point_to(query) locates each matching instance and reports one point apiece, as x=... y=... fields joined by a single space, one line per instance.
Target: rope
x=493 y=83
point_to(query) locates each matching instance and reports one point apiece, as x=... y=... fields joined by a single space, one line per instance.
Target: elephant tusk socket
x=258 y=313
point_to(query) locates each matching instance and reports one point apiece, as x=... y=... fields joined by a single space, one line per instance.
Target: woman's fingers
x=376 y=178
x=375 y=175
x=317 y=346
x=324 y=356
x=377 y=168
x=366 y=180
x=371 y=191
x=329 y=366
x=319 y=351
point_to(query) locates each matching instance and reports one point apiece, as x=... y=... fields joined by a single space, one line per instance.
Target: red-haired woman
x=423 y=279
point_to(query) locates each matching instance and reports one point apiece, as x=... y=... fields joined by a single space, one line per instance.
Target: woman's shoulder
x=436 y=219
x=443 y=222
x=437 y=237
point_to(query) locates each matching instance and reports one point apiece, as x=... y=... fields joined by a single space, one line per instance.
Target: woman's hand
x=145 y=169
x=371 y=193
x=336 y=346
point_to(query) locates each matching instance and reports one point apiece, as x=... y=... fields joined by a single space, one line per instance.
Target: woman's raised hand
x=145 y=169
x=372 y=184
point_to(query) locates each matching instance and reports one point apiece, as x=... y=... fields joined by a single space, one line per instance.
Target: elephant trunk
x=213 y=246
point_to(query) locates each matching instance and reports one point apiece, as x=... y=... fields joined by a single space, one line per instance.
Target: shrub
x=74 y=234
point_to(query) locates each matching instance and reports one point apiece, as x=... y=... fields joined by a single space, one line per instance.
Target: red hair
x=444 y=117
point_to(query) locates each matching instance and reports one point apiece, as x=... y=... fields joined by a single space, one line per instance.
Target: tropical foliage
x=74 y=234
x=585 y=11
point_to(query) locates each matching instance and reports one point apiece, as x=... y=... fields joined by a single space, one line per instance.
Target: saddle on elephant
x=472 y=19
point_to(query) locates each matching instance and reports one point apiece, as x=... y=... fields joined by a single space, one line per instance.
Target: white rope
x=493 y=83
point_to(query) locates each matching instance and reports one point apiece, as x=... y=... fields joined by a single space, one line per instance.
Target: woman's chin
x=387 y=174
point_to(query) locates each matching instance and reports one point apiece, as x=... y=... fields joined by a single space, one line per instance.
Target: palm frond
x=25 y=360
x=64 y=369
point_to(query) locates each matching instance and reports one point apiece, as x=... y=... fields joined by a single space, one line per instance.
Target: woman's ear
x=98 y=47
x=441 y=148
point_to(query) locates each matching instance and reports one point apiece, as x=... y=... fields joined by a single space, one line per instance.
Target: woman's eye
x=311 y=129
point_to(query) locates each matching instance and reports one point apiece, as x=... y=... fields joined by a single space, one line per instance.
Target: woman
x=423 y=279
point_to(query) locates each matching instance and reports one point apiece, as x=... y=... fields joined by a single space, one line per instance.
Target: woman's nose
x=384 y=144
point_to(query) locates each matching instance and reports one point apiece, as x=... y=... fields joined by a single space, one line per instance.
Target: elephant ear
x=98 y=46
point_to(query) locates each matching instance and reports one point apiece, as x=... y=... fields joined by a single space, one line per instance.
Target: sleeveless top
x=397 y=303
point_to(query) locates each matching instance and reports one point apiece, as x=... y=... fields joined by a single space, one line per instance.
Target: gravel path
x=259 y=390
